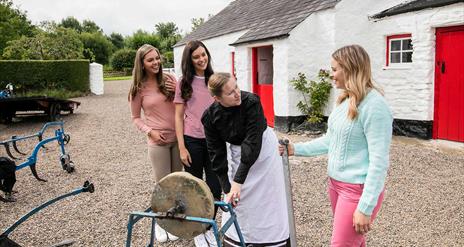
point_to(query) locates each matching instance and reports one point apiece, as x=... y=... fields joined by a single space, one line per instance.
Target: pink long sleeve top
x=158 y=113
x=201 y=99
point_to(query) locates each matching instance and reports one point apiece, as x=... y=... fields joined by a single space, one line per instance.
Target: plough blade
x=16 y=147
x=7 y=149
x=34 y=172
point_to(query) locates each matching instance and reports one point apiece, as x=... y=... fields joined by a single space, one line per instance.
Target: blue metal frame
x=88 y=187
x=32 y=159
x=134 y=217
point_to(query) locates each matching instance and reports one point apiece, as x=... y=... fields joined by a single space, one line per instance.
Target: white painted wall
x=310 y=45
x=409 y=90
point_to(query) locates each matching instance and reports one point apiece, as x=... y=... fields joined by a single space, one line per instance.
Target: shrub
x=315 y=95
x=123 y=59
x=39 y=75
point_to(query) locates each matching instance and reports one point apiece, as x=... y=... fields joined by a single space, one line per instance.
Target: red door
x=262 y=76
x=449 y=84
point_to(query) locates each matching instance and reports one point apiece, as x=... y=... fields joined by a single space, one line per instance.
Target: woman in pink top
x=153 y=92
x=192 y=99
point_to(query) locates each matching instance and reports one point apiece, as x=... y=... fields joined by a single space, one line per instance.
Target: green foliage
x=55 y=93
x=59 y=43
x=123 y=58
x=315 y=95
x=117 y=78
x=97 y=47
x=89 y=26
x=36 y=76
x=166 y=30
x=196 y=22
x=13 y=24
x=72 y=23
x=140 y=38
x=117 y=40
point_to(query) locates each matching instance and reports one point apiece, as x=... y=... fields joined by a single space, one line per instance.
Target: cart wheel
x=54 y=112
x=70 y=167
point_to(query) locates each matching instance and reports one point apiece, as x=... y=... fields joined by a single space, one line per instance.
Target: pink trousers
x=344 y=198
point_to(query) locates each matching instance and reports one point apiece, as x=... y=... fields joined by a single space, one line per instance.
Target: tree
x=71 y=22
x=59 y=43
x=97 y=45
x=166 y=30
x=140 y=38
x=196 y=22
x=117 y=40
x=89 y=26
x=13 y=24
x=169 y=36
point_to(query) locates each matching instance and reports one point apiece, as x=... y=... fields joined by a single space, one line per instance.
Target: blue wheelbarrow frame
x=134 y=217
x=87 y=187
x=31 y=161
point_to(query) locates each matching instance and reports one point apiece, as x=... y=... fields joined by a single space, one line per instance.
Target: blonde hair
x=356 y=65
x=217 y=81
x=138 y=74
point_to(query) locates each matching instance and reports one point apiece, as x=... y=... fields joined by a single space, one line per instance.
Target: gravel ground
x=424 y=203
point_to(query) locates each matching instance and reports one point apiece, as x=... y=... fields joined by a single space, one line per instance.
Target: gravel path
x=424 y=203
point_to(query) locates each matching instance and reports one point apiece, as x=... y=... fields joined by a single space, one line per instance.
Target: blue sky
x=121 y=16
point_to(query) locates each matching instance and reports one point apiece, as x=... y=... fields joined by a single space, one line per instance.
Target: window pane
x=395 y=45
x=406 y=57
x=265 y=65
x=395 y=57
x=407 y=44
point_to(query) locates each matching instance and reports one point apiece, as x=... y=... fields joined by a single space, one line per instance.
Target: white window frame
x=401 y=64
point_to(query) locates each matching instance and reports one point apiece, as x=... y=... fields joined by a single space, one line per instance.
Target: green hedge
x=39 y=75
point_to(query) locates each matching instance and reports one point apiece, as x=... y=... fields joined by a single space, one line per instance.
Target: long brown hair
x=188 y=70
x=139 y=75
x=356 y=65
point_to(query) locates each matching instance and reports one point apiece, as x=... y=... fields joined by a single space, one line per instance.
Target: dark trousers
x=201 y=162
x=7 y=174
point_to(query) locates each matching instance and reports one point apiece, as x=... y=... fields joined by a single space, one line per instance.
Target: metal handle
x=288 y=192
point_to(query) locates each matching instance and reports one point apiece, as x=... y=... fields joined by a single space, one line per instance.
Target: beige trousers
x=164 y=160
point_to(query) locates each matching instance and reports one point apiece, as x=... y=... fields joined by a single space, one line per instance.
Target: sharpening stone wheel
x=193 y=193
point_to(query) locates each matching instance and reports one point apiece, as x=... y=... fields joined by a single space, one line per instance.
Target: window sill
x=396 y=67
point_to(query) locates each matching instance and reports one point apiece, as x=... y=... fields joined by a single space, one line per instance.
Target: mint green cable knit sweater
x=358 y=150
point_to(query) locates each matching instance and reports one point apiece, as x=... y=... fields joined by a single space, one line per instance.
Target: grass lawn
x=117 y=78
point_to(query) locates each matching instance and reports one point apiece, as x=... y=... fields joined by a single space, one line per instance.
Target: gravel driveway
x=424 y=203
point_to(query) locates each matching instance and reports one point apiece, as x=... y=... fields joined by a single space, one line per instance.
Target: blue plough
x=60 y=137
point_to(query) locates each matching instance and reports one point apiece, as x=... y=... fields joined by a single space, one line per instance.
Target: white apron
x=262 y=210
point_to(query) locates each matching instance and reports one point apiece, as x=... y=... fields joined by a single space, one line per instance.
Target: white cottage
x=416 y=49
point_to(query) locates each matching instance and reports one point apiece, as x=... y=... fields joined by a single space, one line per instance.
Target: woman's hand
x=233 y=196
x=170 y=84
x=185 y=156
x=361 y=222
x=157 y=136
x=291 y=149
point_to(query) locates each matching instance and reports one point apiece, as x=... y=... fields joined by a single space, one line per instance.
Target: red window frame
x=396 y=36
x=233 y=63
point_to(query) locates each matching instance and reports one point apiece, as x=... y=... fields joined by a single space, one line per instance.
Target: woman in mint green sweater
x=357 y=143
